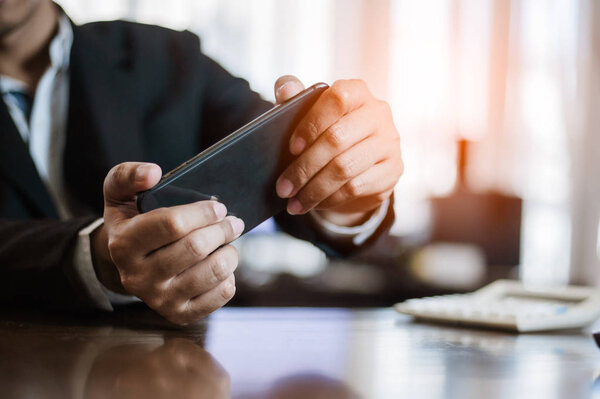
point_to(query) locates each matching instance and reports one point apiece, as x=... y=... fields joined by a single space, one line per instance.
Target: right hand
x=177 y=260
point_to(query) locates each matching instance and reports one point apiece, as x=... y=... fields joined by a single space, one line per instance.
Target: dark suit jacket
x=138 y=93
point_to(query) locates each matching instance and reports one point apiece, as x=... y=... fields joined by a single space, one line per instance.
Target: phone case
x=240 y=170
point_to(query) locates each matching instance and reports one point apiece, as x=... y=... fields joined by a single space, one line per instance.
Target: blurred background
x=496 y=102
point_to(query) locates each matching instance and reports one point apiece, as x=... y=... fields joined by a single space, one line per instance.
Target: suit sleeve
x=37 y=265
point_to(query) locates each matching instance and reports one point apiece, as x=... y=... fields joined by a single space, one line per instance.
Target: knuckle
x=361 y=86
x=228 y=230
x=339 y=197
x=173 y=223
x=335 y=136
x=309 y=197
x=113 y=177
x=339 y=91
x=210 y=210
x=114 y=246
x=169 y=304
x=301 y=172
x=130 y=283
x=340 y=95
x=384 y=107
x=196 y=247
x=396 y=141
x=400 y=168
x=156 y=302
x=117 y=248
x=343 y=167
x=355 y=187
x=327 y=203
x=225 y=234
x=118 y=172
x=195 y=310
x=312 y=127
x=219 y=267
x=227 y=292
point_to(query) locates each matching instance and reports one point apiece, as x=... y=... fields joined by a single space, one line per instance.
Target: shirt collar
x=8 y=84
x=60 y=46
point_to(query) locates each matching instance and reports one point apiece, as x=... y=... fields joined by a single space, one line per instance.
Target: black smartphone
x=240 y=170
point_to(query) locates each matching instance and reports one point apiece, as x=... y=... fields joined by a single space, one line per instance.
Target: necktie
x=24 y=102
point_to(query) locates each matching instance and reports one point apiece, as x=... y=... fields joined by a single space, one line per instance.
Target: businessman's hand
x=348 y=152
x=176 y=259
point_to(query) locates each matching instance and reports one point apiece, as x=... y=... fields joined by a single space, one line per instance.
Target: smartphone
x=240 y=170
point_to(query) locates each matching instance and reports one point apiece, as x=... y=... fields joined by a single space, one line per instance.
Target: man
x=79 y=100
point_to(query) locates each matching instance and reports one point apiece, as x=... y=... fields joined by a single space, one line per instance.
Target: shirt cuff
x=360 y=233
x=100 y=296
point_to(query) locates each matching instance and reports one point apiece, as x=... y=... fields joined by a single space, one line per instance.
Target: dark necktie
x=24 y=102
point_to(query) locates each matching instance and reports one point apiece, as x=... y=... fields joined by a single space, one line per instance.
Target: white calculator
x=508 y=304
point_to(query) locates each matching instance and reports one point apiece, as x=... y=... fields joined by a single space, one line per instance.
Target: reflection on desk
x=286 y=353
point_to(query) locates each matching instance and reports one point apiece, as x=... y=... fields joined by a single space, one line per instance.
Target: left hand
x=348 y=153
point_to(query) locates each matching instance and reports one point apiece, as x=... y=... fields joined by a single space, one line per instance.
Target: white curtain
x=584 y=131
x=541 y=88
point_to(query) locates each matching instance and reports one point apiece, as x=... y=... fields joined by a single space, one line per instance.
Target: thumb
x=287 y=87
x=124 y=181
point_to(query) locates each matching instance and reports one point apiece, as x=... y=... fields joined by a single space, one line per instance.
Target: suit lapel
x=18 y=167
x=103 y=123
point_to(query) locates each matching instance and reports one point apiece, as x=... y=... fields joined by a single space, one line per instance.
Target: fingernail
x=280 y=88
x=220 y=210
x=297 y=145
x=286 y=85
x=142 y=172
x=237 y=225
x=284 y=188
x=294 y=207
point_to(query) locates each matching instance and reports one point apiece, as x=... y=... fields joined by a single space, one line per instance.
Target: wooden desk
x=286 y=353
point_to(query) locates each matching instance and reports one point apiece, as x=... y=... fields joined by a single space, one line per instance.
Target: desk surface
x=287 y=353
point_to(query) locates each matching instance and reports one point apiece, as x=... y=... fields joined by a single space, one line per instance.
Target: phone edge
x=228 y=140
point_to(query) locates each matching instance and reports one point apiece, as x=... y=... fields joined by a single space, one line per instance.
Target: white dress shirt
x=46 y=133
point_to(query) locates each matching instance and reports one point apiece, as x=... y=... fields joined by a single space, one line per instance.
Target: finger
x=195 y=247
x=149 y=231
x=205 y=304
x=125 y=180
x=286 y=87
x=207 y=274
x=377 y=180
x=339 y=171
x=336 y=139
x=121 y=185
x=338 y=100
